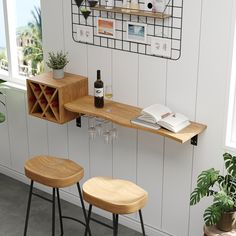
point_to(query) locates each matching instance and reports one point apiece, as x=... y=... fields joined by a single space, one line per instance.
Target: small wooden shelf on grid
x=122 y=114
x=47 y=96
x=135 y=12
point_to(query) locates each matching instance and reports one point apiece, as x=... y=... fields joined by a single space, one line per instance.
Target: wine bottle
x=98 y=91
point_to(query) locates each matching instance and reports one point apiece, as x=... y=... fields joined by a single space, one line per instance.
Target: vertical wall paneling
x=58 y=142
x=194 y=85
x=99 y=59
x=100 y=157
x=37 y=128
x=17 y=122
x=5 y=159
x=213 y=71
x=152 y=81
x=181 y=84
x=78 y=142
x=125 y=154
x=176 y=187
x=77 y=52
x=151 y=89
x=52 y=21
x=100 y=152
x=125 y=89
x=57 y=139
x=125 y=77
x=150 y=175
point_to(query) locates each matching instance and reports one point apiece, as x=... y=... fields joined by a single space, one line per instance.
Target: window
x=3 y=47
x=231 y=116
x=22 y=41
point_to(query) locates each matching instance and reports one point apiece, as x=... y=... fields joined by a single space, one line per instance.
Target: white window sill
x=230 y=147
x=17 y=83
x=14 y=86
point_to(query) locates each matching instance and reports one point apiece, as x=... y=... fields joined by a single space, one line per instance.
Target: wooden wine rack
x=47 y=96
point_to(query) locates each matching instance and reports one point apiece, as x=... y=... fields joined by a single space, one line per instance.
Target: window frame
x=230 y=109
x=11 y=45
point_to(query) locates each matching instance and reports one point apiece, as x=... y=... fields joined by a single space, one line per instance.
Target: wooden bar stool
x=116 y=196
x=56 y=173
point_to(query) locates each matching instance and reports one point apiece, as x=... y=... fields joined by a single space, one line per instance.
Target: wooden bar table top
x=121 y=114
x=213 y=231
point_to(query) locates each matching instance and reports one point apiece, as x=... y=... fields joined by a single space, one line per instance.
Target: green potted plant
x=57 y=61
x=2 y=116
x=222 y=188
x=85 y=11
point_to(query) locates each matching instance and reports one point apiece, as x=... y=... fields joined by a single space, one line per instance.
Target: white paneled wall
x=194 y=85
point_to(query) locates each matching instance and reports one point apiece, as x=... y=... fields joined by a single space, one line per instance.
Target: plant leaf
x=207 y=178
x=224 y=201
x=230 y=164
x=212 y=214
x=2 y=117
x=198 y=194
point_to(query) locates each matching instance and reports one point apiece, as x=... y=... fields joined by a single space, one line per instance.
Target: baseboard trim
x=70 y=197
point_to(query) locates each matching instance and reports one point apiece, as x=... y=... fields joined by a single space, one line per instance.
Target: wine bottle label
x=98 y=92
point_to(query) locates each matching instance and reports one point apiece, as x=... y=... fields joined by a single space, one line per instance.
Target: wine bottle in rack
x=98 y=91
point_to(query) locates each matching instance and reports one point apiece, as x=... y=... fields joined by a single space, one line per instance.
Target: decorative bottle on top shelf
x=134 y=5
x=109 y=4
x=98 y=91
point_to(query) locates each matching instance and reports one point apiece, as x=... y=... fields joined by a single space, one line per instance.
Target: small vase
x=86 y=14
x=227 y=221
x=78 y=2
x=58 y=73
x=92 y=3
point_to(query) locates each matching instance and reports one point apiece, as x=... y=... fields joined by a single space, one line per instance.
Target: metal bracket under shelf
x=78 y=121
x=194 y=140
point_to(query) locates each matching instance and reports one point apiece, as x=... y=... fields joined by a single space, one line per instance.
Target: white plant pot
x=58 y=74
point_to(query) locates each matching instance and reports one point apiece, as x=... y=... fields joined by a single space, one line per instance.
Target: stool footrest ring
x=74 y=219
x=102 y=223
x=42 y=197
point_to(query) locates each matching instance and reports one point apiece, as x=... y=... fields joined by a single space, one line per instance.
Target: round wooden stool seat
x=114 y=195
x=53 y=172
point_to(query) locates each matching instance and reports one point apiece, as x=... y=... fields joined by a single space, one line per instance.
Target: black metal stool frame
x=115 y=222
x=55 y=191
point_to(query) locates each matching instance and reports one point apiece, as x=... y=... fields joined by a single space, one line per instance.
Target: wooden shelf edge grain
x=121 y=10
x=121 y=114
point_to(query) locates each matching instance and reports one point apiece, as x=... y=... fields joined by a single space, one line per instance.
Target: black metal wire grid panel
x=168 y=28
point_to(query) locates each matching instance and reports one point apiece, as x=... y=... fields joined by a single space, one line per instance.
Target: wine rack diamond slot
x=46 y=96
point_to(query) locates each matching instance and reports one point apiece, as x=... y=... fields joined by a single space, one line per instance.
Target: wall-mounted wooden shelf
x=122 y=114
x=47 y=96
x=121 y=10
x=166 y=25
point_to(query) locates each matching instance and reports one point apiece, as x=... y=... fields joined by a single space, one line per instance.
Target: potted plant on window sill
x=57 y=62
x=223 y=190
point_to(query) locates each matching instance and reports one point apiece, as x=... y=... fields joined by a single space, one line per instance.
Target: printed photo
x=106 y=27
x=136 y=32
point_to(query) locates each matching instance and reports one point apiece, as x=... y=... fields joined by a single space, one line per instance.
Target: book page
x=175 y=122
x=157 y=111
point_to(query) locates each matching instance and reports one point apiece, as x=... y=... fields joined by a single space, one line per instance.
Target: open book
x=157 y=116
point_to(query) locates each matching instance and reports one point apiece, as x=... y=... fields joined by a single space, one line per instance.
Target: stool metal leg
x=88 y=220
x=141 y=221
x=28 y=207
x=53 y=212
x=59 y=209
x=115 y=224
x=83 y=207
